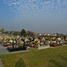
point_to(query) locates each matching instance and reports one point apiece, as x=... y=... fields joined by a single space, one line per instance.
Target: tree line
x=23 y=32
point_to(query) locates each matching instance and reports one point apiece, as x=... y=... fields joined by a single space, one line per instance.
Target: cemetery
x=40 y=48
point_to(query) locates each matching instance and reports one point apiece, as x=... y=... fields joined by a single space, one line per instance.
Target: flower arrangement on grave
x=18 y=43
x=5 y=40
x=14 y=42
x=27 y=41
x=66 y=38
x=41 y=44
x=22 y=44
x=35 y=42
x=54 y=42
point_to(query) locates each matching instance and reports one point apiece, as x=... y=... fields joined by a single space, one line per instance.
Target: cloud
x=29 y=7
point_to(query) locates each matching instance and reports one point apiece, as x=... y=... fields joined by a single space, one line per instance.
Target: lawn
x=51 y=57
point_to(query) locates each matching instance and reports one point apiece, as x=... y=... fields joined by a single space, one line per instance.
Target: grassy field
x=51 y=57
x=7 y=35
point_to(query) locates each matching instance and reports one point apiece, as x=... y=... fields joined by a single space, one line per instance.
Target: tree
x=18 y=33
x=23 y=32
x=2 y=30
x=29 y=33
x=12 y=32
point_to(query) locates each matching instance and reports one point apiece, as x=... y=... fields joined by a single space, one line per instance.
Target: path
x=3 y=50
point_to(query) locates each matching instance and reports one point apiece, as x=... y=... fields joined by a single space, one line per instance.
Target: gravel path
x=3 y=50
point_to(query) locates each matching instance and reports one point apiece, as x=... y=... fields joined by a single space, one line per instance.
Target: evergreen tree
x=23 y=32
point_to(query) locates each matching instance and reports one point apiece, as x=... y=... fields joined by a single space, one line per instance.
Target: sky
x=40 y=16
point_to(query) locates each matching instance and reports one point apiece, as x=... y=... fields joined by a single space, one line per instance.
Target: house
x=44 y=34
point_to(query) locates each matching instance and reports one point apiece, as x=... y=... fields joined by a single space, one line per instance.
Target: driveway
x=3 y=50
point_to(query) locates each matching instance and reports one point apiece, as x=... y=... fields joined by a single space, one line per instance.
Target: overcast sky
x=41 y=16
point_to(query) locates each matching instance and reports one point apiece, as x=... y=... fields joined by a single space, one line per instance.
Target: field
x=51 y=57
x=6 y=35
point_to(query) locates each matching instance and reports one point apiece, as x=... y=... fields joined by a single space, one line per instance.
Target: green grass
x=10 y=35
x=52 y=57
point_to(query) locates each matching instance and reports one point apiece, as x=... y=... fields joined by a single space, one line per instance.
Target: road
x=3 y=50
